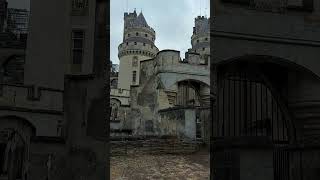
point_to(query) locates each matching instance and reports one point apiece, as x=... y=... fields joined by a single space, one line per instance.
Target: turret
x=200 y=39
x=138 y=45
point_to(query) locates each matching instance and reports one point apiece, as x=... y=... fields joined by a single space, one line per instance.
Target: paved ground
x=158 y=167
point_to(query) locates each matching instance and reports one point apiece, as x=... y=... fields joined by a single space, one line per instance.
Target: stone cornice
x=263 y=38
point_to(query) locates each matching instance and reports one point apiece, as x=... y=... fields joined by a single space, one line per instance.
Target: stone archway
x=192 y=92
x=12 y=69
x=256 y=113
x=15 y=138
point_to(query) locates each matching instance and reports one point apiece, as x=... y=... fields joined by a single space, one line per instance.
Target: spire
x=141 y=21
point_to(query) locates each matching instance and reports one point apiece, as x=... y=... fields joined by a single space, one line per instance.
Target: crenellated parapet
x=31 y=98
x=169 y=61
x=137 y=48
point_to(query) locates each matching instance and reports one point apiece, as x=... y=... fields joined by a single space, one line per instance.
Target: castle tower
x=200 y=39
x=138 y=45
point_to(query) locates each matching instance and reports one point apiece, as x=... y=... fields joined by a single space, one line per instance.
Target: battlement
x=202 y=25
x=135 y=48
x=126 y=14
x=172 y=57
x=31 y=98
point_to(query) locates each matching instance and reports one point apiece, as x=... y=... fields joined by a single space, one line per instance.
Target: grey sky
x=173 y=21
x=20 y=4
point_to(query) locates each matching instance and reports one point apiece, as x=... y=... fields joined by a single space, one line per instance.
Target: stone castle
x=156 y=93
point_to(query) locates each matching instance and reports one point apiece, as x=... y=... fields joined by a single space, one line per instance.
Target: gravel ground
x=157 y=167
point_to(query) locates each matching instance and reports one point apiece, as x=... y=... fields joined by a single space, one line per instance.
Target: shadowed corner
x=54 y=124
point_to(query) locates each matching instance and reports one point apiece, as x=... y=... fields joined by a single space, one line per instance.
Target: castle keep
x=158 y=93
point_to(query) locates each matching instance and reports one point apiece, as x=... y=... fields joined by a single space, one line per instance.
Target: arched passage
x=12 y=69
x=253 y=109
x=15 y=135
x=192 y=92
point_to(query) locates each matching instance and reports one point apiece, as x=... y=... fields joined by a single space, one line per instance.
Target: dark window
x=114 y=84
x=206 y=39
x=137 y=34
x=134 y=76
x=144 y=44
x=146 y=35
x=80 y=7
x=127 y=43
x=135 y=43
x=149 y=126
x=203 y=49
x=135 y=61
x=197 y=40
x=77 y=46
x=128 y=35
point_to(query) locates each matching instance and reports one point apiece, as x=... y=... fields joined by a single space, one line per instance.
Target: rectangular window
x=134 y=76
x=80 y=7
x=77 y=46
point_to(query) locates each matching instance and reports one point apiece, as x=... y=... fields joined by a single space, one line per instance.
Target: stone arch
x=16 y=134
x=171 y=79
x=273 y=73
x=266 y=62
x=12 y=68
x=11 y=122
x=192 y=92
x=254 y=58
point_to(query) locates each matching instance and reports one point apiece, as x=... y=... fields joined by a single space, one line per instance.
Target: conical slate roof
x=141 y=21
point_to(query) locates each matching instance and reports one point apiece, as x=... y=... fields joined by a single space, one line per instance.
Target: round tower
x=138 y=45
x=200 y=39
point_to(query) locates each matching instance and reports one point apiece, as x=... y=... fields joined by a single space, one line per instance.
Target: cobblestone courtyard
x=157 y=167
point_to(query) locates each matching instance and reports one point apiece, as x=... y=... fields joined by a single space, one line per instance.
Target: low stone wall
x=153 y=146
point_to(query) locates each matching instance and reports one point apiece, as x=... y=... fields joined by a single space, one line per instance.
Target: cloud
x=20 y=4
x=173 y=21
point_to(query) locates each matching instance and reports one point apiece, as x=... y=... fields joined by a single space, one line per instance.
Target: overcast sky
x=173 y=21
x=20 y=4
